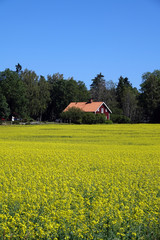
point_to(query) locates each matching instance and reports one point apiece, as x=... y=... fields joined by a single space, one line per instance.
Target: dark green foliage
x=14 y=92
x=57 y=96
x=76 y=115
x=116 y=118
x=62 y=92
x=110 y=95
x=30 y=80
x=108 y=122
x=123 y=84
x=100 y=118
x=73 y=115
x=92 y=118
x=37 y=92
x=121 y=98
x=98 y=88
x=82 y=93
x=18 y=68
x=23 y=95
x=44 y=96
x=4 y=109
x=150 y=96
x=89 y=118
x=127 y=98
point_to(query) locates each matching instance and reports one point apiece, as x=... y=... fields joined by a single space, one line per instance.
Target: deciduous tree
x=127 y=98
x=150 y=96
x=44 y=95
x=30 y=80
x=62 y=92
x=14 y=91
x=4 y=109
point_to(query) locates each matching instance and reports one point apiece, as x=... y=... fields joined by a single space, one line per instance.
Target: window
x=102 y=110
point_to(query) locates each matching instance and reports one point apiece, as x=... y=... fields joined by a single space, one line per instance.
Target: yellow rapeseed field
x=80 y=182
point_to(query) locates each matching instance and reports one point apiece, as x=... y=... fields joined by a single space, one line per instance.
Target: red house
x=90 y=106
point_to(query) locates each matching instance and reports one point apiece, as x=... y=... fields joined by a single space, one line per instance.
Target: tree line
x=25 y=95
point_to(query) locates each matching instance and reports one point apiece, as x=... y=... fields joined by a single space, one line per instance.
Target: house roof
x=87 y=106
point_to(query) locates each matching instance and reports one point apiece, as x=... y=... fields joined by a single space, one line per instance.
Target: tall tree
x=127 y=98
x=14 y=91
x=123 y=84
x=57 y=95
x=62 y=92
x=4 y=109
x=18 y=68
x=97 y=88
x=150 y=96
x=30 y=80
x=129 y=105
x=76 y=91
x=102 y=90
x=71 y=91
x=44 y=96
x=110 y=95
x=82 y=94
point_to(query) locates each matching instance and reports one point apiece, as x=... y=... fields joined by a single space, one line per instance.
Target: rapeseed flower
x=80 y=182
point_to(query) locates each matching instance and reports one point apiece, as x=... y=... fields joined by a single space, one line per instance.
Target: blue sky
x=81 y=38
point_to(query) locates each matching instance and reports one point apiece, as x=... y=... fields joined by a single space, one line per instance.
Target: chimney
x=90 y=100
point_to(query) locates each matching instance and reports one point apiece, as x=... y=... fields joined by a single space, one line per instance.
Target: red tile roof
x=86 y=106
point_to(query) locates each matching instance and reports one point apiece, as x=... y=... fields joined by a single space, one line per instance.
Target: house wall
x=104 y=110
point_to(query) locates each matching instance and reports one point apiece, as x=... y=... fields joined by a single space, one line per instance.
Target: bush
x=100 y=118
x=64 y=116
x=73 y=115
x=89 y=118
x=116 y=118
x=92 y=118
x=76 y=115
x=108 y=122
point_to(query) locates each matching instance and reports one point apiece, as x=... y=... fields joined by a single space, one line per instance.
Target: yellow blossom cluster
x=80 y=182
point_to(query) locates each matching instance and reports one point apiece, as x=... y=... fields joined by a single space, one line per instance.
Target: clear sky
x=81 y=38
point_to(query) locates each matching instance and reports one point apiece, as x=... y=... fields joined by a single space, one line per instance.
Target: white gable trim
x=105 y=106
